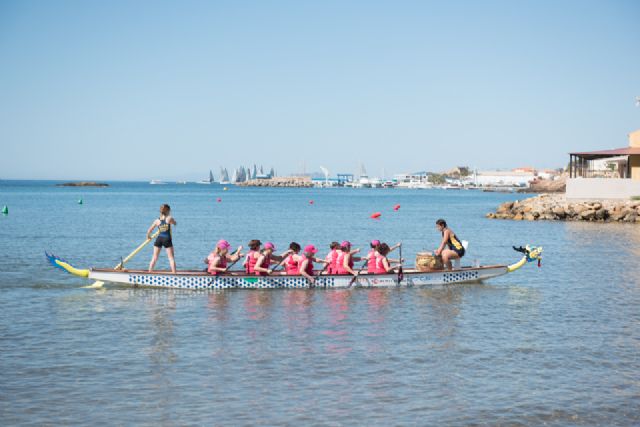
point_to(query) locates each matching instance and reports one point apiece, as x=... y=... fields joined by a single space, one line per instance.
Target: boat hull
x=199 y=280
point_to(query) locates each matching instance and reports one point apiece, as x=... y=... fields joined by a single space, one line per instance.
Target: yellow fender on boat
x=534 y=254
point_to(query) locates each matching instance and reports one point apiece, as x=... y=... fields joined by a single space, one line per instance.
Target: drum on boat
x=426 y=261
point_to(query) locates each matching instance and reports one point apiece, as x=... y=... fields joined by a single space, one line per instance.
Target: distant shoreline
x=83 y=184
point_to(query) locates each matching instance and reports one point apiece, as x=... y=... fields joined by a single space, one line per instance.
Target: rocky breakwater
x=556 y=207
x=279 y=182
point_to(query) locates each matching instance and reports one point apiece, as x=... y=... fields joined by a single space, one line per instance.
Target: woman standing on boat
x=217 y=259
x=164 y=237
x=450 y=247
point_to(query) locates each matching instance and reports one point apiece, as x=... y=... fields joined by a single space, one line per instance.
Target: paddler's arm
x=354 y=251
x=303 y=271
x=276 y=259
x=258 y=267
x=345 y=265
x=394 y=247
x=216 y=268
x=316 y=259
x=154 y=224
x=236 y=255
x=445 y=239
x=172 y=221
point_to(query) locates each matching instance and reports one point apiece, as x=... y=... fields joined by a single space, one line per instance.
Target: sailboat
x=207 y=181
x=224 y=176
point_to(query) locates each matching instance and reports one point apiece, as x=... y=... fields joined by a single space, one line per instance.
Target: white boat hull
x=200 y=280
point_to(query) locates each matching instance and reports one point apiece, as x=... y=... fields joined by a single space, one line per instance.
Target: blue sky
x=169 y=90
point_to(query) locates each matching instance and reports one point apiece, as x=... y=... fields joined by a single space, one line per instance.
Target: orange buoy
x=376 y=215
x=396 y=208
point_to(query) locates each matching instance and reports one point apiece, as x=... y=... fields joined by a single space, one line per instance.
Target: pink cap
x=346 y=243
x=223 y=244
x=269 y=245
x=310 y=249
x=375 y=242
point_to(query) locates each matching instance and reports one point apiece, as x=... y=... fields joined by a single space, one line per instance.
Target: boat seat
x=455 y=263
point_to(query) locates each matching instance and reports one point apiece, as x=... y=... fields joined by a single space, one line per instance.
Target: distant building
x=526 y=169
x=606 y=174
x=510 y=178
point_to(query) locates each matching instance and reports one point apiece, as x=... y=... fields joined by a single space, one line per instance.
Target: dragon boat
x=240 y=280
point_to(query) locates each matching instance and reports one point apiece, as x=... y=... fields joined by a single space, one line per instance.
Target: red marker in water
x=396 y=208
x=310 y=202
x=219 y=200
x=376 y=215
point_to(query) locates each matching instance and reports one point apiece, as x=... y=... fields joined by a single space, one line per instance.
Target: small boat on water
x=208 y=181
x=157 y=182
x=240 y=280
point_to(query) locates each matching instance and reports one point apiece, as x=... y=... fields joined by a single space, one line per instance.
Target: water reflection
x=337 y=302
x=217 y=303
x=161 y=350
x=257 y=304
x=298 y=310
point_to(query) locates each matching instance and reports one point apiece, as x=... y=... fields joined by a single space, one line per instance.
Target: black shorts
x=162 y=241
x=460 y=251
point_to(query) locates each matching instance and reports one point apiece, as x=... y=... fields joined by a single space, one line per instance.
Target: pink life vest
x=251 y=262
x=309 y=268
x=372 y=257
x=212 y=263
x=333 y=261
x=292 y=266
x=379 y=266
x=265 y=264
x=340 y=262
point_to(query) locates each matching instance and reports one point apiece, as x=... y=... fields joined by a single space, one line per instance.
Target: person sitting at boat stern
x=163 y=223
x=450 y=247
x=217 y=260
x=260 y=261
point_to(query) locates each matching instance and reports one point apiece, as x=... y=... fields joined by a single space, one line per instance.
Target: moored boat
x=238 y=280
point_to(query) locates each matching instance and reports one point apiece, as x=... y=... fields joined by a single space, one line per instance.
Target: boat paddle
x=355 y=276
x=234 y=262
x=98 y=283
x=400 y=272
x=284 y=258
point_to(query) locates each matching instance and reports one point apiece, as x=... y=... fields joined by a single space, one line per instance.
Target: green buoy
x=5 y=210
x=80 y=201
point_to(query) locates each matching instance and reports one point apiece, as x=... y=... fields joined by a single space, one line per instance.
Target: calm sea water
x=557 y=345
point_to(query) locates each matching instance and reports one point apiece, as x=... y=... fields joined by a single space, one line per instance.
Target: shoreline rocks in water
x=294 y=181
x=558 y=185
x=557 y=207
x=83 y=184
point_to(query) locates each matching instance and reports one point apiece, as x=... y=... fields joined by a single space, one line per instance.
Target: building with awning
x=606 y=174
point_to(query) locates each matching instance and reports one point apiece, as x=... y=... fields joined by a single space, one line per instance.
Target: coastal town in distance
x=456 y=178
